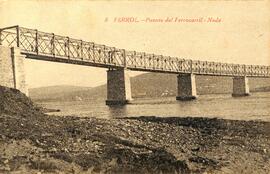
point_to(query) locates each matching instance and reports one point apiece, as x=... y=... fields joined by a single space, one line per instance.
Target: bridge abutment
x=118 y=87
x=186 y=87
x=240 y=86
x=12 y=70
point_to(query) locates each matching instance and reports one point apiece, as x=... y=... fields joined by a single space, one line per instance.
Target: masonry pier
x=12 y=70
x=240 y=86
x=186 y=87
x=118 y=87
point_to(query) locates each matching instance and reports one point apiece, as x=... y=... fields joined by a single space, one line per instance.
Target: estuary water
x=254 y=107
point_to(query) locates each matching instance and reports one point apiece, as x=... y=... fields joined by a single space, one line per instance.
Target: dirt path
x=32 y=142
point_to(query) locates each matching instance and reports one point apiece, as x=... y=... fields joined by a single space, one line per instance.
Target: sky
x=239 y=34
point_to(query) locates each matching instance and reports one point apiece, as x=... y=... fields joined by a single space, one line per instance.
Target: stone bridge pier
x=12 y=70
x=118 y=87
x=240 y=86
x=186 y=87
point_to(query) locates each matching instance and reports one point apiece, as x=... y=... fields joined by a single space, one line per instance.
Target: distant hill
x=262 y=89
x=60 y=92
x=145 y=85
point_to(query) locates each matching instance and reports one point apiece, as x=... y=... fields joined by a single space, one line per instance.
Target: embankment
x=31 y=141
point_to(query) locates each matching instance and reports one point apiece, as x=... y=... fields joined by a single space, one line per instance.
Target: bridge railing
x=48 y=44
x=34 y=42
x=9 y=36
x=144 y=61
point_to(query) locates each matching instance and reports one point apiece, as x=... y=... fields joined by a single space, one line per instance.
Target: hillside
x=145 y=85
x=263 y=89
x=60 y=92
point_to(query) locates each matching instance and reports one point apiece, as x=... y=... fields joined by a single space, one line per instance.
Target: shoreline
x=31 y=142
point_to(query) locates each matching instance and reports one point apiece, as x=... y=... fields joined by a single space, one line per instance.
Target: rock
x=195 y=149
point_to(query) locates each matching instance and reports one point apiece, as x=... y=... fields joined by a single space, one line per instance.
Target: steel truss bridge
x=51 y=47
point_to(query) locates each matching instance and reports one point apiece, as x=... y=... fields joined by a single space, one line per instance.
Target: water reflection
x=117 y=111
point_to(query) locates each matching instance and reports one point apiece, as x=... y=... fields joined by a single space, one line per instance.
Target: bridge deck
x=50 y=47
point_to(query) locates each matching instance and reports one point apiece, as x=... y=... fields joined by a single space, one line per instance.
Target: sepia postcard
x=143 y=87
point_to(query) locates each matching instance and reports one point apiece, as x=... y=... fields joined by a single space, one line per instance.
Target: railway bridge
x=18 y=43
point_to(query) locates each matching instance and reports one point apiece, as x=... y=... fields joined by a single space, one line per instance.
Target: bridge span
x=17 y=43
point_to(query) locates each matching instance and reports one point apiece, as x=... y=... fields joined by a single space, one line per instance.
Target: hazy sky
x=242 y=35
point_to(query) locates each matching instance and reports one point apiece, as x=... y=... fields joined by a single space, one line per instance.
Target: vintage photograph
x=134 y=87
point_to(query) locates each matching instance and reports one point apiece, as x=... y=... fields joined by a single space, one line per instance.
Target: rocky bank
x=33 y=142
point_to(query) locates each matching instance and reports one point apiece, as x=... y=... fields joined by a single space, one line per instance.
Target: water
x=254 y=107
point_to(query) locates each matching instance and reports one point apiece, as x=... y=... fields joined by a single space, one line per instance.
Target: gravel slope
x=32 y=142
